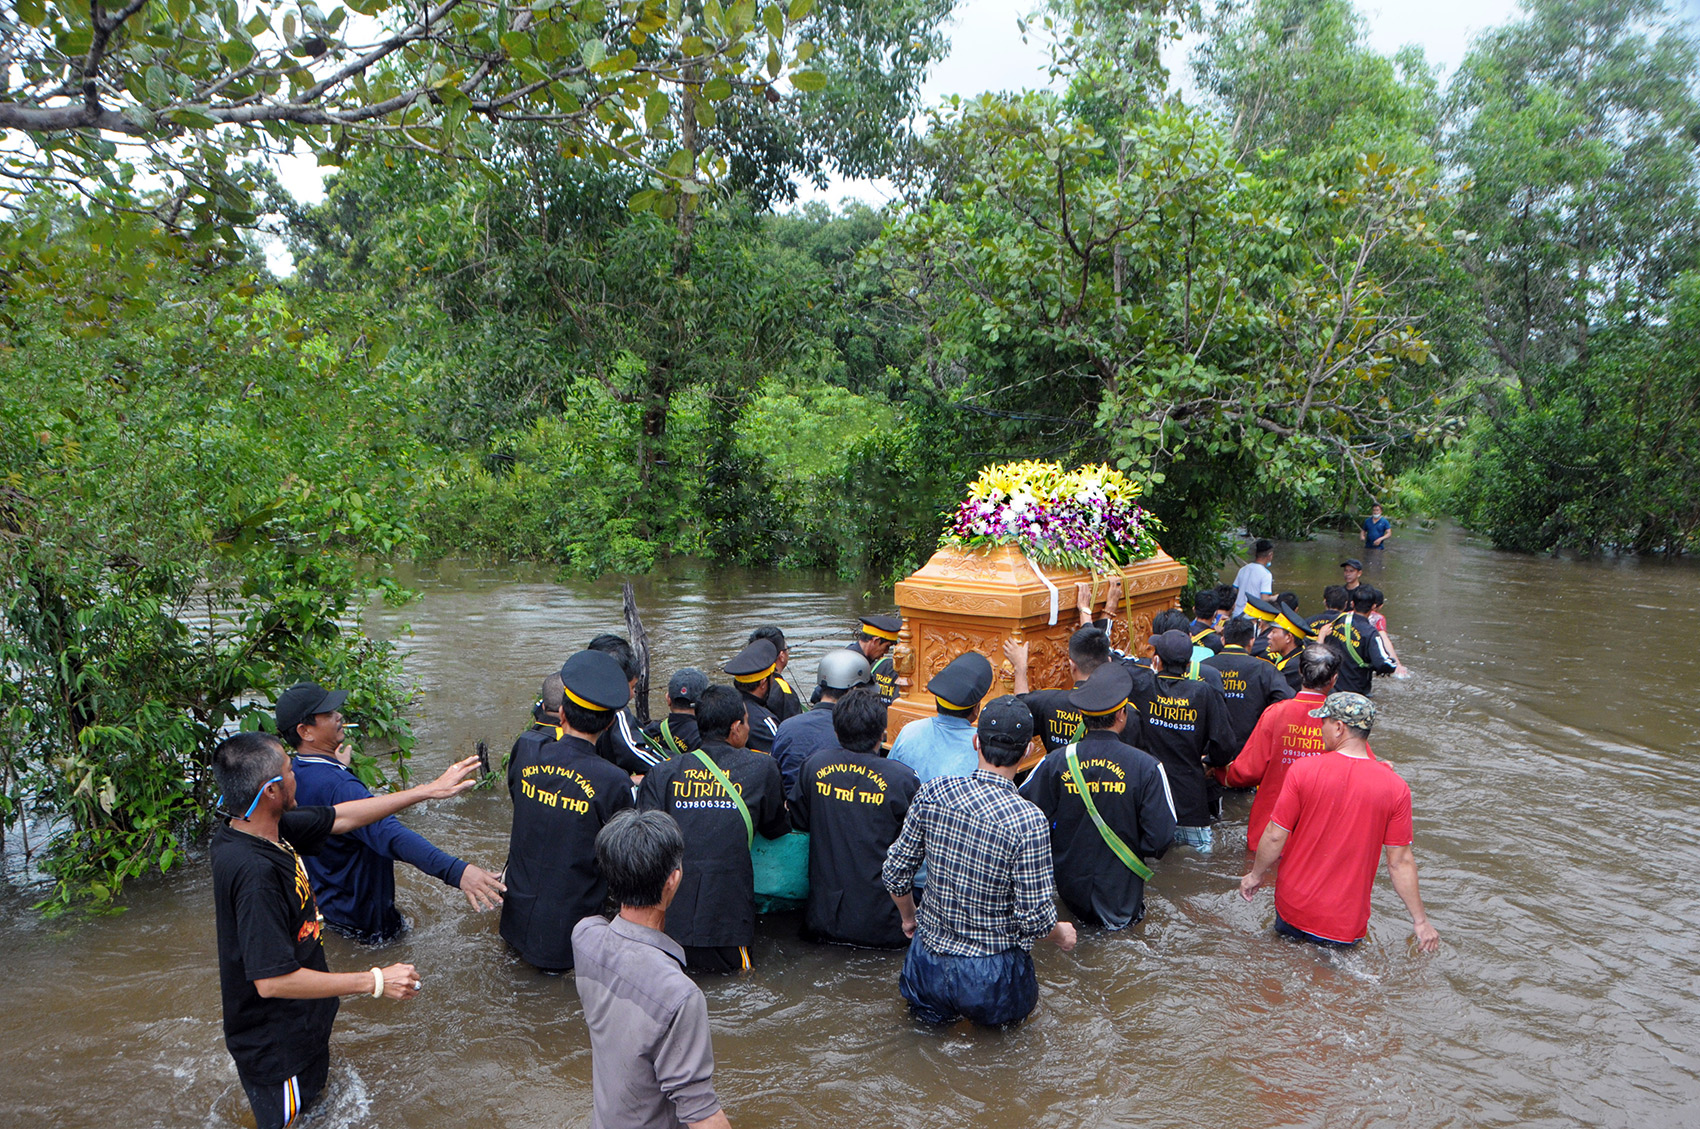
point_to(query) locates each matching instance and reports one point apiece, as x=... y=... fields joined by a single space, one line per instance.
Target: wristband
x=377 y=982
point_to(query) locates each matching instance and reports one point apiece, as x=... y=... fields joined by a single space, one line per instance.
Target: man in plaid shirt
x=991 y=891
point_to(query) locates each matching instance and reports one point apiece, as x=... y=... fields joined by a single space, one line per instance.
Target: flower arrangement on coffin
x=1087 y=518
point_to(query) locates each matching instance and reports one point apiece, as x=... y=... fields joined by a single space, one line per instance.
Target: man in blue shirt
x=944 y=745
x=1376 y=529
x=353 y=875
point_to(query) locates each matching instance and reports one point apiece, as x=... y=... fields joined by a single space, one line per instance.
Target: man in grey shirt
x=652 y=1066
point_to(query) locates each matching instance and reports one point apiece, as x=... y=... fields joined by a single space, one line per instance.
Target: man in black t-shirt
x=852 y=801
x=714 y=915
x=1362 y=651
x=279 y=996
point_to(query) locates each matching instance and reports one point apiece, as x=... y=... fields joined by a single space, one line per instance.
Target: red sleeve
x=1248 y=768
x=1290 y=802
x=1398 y=833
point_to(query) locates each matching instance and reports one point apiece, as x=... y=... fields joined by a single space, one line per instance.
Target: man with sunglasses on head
x=279 y=996
x=353 y=875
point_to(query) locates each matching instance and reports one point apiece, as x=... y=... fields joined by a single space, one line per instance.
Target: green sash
x=1348 y=635
x=780 y=866
x=725 y=782
x=1120 y=849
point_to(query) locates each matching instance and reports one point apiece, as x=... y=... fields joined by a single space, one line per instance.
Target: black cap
x=595 y=681
x=1352 y=562
x=962 y=683
x=1294 y=624
x=882 y=626
x=753 y=663
x=1006 y=722
x=1256 y=607
x=687 y=685
x=301 y=701
x=1105 y=691
x=1173 y=647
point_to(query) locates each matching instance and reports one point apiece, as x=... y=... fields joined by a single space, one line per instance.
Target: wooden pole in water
x=640 y=651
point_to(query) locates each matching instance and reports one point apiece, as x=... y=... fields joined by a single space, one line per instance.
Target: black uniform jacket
x=1185 y=725
x=621 y=744
x=1287 y=666
x=885 y=679
x=1362 y=655
x=1132 y=795
x=1055 y=720
x=1203 y=635
x=682 y=727
x=715 y=906
x=782 y=700
x=852 y=805
x=562 y=794
x=531 y=742
x=764 y=727
x=1249 y=686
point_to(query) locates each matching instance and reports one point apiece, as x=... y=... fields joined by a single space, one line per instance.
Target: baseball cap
x=1006 y=722
x=1173 y=647
x=1352 y=562
x=687 y=685
x=305 y=700
x=1352 y=709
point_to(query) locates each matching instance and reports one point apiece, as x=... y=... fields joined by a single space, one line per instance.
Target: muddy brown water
x=1548 y=734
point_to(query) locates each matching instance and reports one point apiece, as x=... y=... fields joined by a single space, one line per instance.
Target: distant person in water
x=1254 y=578
x=1336 y=814
x=1376 y=529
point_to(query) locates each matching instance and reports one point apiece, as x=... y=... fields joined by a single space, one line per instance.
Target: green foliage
x=183 y=502
x=1297 y=81
x=1575 y=128
x=1607 y=458
x=1130 y=282
x=171 y=98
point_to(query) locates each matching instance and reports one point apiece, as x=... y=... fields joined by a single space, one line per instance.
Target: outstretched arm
x=358 y=813
x=1402 y=868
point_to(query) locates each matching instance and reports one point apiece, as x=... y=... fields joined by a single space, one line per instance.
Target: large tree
x=1575 y=128
x=155 y=104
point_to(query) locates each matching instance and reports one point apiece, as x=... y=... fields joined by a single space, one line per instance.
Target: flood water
x=1548 y=734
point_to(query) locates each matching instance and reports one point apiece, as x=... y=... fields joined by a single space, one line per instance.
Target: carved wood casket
x=972 y=600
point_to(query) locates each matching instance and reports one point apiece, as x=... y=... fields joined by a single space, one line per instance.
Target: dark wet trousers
x=276 y=1104
x=991 y=991
x=1297 y=934
x=717 y=960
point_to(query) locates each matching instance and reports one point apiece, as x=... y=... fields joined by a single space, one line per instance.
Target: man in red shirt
x=1337 y=814
x=1284 y=734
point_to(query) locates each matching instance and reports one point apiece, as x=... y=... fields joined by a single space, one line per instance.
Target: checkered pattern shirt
x=990 y=887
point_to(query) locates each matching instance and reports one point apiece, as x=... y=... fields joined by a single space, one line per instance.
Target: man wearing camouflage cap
x=1338 y=812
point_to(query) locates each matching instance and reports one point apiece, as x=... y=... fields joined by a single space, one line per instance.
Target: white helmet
x=843 y=669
